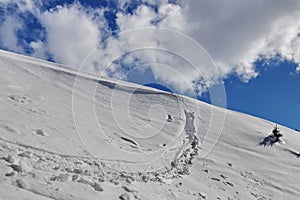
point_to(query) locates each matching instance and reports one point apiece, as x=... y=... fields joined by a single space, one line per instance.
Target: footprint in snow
x=9 y=159
x=126 y=196
x=40 y=132
x=26 y=154
x=9 y=129
x=13 y=173
x=131 y=190
x=61 y=178
x=21 y=184
x=202 y=195
x=97 y=187
x=17 y=168
x=19 y=99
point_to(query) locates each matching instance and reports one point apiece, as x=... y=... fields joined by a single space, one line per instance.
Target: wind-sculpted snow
x=68 y=135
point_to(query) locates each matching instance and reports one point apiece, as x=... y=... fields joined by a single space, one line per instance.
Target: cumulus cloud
x=237 y=33
x=39 y=49
x=234 y=33
x=71 y=33
x=161 y=49
x=141 y=18
x=8 y=36
x=71 y=30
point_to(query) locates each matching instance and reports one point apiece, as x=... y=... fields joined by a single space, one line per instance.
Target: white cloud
x=170 y=69
x=298 y=69
x=173 y=18
x=8 y=36
x=141 y=18
x=236 y=33
x=27 y=5
x=39 y=49
x=71 y=33
x=13 y=23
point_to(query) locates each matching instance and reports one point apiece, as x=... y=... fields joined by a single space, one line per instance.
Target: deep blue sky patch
x=273 y=95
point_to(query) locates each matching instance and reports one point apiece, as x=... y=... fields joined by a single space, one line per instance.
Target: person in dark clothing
x=276 y=133
x=169 y=118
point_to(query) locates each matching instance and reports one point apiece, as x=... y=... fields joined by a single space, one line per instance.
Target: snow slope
x=70 y=135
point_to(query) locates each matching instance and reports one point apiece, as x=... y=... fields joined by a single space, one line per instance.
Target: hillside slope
x=69 y=135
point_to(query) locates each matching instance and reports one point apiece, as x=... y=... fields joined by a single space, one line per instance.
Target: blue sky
x=273 y=95
x=253 y=44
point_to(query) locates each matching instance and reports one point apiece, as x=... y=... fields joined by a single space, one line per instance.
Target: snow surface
x=72 y=135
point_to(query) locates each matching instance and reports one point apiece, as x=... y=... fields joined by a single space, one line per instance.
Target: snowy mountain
x=70 y=135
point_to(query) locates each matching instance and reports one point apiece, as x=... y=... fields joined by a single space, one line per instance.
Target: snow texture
x=69 y=135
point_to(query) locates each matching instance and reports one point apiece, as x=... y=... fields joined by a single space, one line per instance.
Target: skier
x=276 y=133
x=169 y=118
